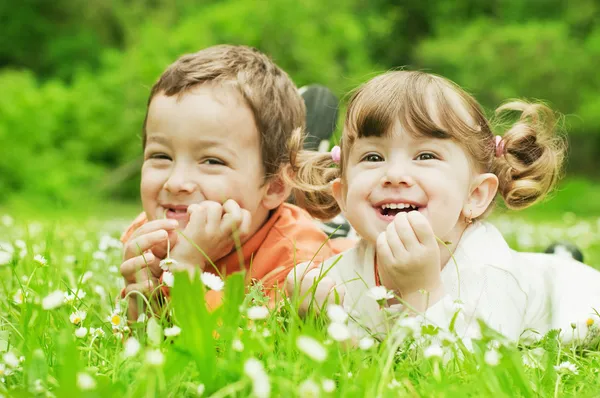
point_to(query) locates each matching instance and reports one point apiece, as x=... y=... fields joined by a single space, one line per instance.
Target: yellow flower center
x=589 y=322
x=76 y=320
x=115 y=320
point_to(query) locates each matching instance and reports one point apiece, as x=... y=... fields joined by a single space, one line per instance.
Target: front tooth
x=393 y=205
x=400 y=206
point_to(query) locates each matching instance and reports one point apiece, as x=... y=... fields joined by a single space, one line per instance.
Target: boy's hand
x=323 y=293
x=211 y=227
x=408 y=256
x=141 y=257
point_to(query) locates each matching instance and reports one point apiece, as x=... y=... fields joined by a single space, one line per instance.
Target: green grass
x=218 y=351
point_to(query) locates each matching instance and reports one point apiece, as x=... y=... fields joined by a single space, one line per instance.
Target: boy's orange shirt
x=289 y=237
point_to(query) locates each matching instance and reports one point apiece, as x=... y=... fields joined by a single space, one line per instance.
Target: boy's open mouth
x=390 y=210
x=176 y=212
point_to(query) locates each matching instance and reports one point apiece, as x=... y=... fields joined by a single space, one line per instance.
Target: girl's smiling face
x=398 y=172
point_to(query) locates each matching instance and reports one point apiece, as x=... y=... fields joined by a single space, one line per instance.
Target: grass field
x=63 y=334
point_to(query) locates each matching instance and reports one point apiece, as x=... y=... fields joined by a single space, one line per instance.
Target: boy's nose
x=178 y=182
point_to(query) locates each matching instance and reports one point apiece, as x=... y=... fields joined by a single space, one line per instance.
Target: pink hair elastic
x=336 y=154
x=499 y=146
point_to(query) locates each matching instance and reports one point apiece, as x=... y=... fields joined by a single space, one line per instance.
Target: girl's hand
x=408 y=256
x=211 y=228
x=320 y=295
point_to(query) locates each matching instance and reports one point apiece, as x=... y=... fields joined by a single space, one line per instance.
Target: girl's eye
x=213 y=162
x=426 y=156
x=372 y=157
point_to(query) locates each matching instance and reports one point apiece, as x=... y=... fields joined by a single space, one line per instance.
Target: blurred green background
x=75 y=74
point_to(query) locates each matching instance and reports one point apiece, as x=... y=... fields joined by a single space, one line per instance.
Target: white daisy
x=18 y=298
x=41 y=260
x=85 y=381
x=258 y=312
x=312 y=348
x=308 y=388
x=237 y=345
x=380 y=294
x=566 y=367
x=167 y=263
x=77 y=317
x=154 y=358
x=81 y=332
x=11 y=360
x=328 y=385
x=5 y=257
x=338 y=331
x=87 y=276
x=131 y=348
x=212 y=281
x=336 y=313
x=53 y=300
x=492 y=357
x=116 y=319
x=254 y=369
x=172 y=331
x=433 y=351
x=366 y=343
x=168 y=278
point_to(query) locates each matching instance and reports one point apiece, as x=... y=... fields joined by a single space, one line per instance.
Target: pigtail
x=529 y=158
x=310 y=177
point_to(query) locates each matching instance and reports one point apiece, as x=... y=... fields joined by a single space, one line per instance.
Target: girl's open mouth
x=388 y=211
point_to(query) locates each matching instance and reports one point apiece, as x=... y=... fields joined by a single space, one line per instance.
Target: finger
x=405 y=232
x=197 y=219
x=133 y=310
x=160 y=250
x=422 y=228
x=383 y=248
x=214 y=213
x=143 y=243
x=155 y=225
x=309 y=293
x=146 y=287
x=244 y=228
x=396 y=246
x=130 y=267
x=298 y=273
x=233 y=209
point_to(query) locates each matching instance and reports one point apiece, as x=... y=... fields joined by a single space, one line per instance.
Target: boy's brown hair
x=278 y=109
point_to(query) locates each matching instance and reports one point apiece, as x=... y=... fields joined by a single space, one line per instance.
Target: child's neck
x=452 y=240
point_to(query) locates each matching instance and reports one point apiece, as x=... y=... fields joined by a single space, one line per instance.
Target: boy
x=221 y=127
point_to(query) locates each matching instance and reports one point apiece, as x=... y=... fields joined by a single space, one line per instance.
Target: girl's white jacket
x=520 y=295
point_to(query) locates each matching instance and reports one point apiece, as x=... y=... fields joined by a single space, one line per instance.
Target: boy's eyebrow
x=159 y=139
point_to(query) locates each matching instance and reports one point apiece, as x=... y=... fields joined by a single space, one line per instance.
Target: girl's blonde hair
x=528 y=165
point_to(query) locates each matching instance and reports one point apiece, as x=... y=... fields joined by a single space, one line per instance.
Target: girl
x=416 y=173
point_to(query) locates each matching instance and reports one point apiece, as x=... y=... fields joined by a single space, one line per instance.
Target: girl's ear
x=483 y=191
x=337 y=188
x=277 y=191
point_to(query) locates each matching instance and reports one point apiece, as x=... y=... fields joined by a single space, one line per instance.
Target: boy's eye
x=426 y=156
x=372 y=157
x=159 y=155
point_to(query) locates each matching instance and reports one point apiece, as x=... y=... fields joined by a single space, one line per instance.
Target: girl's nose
x=396 y=176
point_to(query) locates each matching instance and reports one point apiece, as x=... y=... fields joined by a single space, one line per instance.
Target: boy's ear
x=277 y=192
x=483 y=191
x=337 y=189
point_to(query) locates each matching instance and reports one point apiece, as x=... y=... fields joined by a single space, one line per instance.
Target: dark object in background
x=565 y=249
x=321 y=116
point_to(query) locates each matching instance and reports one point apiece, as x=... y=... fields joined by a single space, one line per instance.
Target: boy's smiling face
x=202 y=145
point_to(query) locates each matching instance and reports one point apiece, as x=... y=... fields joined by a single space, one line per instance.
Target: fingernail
x=173 y=223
